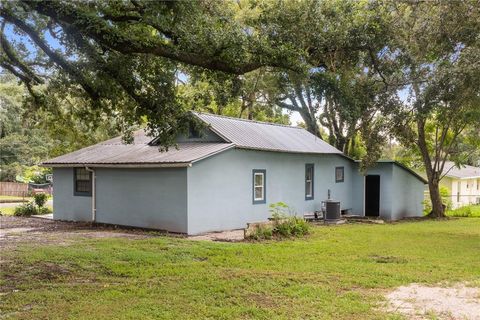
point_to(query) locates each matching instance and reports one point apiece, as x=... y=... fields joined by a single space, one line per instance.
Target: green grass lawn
x=14 y=198
x=8 y=211
x=335 y=273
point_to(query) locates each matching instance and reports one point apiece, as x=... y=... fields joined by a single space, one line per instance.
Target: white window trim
x=262 y=186
x=310 y=191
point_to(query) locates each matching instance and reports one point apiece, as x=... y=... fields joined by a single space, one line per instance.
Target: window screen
x=339 y=174
x=83 y=182
x=309 y=181
x=259 y=191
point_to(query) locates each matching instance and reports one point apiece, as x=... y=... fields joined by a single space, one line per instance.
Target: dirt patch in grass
x=262 y=300
x=15 y=231
x=417 y=301
x=16 y=274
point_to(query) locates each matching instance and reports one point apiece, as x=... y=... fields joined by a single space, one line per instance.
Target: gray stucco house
x=223 y=178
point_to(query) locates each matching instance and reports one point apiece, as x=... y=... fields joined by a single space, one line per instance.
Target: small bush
x=262 y=233
x=468 y=211
x=285 y=224
x=26 y=210
x=40 y=199
x=291 y=226
x=44 y=210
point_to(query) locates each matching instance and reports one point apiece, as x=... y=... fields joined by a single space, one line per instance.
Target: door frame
x=365 y=193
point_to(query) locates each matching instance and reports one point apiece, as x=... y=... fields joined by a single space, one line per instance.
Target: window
x=193 y=132
x=259 y=177
x=339 y=174
x=478 y=184
x=309 y=181
x=82 y=182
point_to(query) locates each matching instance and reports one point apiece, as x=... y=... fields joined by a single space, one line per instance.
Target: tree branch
x=102 y=32
x=9 y=52
x=55 y=57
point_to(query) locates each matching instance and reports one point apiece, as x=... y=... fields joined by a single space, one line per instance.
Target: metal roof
x=465 y=172
x=248 y=134
x=115 y=153
x=239 y=133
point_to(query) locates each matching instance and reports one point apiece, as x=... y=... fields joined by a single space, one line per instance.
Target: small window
x=309 y=181
x=339 y=174
x=193 y=132
x=82 y=182
x=259 y=177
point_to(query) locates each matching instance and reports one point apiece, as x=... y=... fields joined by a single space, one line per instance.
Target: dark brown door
x=372 y=195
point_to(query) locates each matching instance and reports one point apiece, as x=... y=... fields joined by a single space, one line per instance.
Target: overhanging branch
x=55 y=57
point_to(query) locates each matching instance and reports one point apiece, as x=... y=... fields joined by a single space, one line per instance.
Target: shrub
x=279 y=210
x=288 y=226
x=468 y=211
x=44 y=210
x=40 y=199
x=285 y=224
x=26 y=210
x=262 y=233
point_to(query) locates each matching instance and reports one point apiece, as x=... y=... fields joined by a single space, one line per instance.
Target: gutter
x=117 y=165
x=94 y=203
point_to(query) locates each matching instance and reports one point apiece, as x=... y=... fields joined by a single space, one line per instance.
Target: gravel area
x=226 y=236
x=417 y=301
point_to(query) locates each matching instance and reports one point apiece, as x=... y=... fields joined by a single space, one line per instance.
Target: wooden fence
x=13 y=189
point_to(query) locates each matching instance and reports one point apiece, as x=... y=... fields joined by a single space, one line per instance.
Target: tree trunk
x=438 y=208
x=311 y=123
x=433 y=176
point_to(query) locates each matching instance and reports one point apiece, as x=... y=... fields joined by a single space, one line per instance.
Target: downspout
x=94 y=204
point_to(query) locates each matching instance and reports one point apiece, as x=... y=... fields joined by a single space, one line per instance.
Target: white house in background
x=463 y=184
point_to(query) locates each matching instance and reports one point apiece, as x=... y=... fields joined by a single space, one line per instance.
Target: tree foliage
x=29 y=135
x=123 y=57
x=437 y=52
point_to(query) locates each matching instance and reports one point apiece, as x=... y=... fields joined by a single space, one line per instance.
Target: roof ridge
x=247 y=120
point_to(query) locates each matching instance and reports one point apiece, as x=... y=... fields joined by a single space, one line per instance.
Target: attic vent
x=193 y=133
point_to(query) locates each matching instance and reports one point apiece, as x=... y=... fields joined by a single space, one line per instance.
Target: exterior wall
x=147 y=198
x=407 y=194
x=216 y=193
x=220 y=187
x=401 y=193
x=467 y=194
x=384 y=170
x=66 y=206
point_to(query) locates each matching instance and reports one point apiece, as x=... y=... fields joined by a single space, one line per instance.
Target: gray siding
x=407 y=195
x=385 y=170
x=216 y=193
x=401 y=193
x=220 y=188
x=66 y=206
x=147 y=198
x=358 y=191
